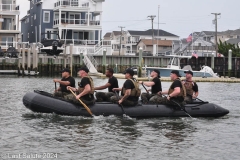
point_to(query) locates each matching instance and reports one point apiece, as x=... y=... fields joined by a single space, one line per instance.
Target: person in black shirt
x=112 y=83
x=66 y=80
x=155 y=85
x=130 y=91
x=85 y=89
x=176 y=92
x=191 y=87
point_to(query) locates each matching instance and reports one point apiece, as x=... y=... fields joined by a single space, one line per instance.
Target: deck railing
x=81 y=22
x=71 y=3
x=8 y=7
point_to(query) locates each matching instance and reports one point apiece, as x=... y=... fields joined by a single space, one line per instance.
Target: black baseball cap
x=84 y=69
x=189 y=72
x=158 y=72
x=176 y=72
x=129 y=71
x=66 y=70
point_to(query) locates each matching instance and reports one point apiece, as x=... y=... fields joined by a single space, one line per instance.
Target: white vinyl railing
x=80 y=22
x=8 y=7
x=71 y=3
x=6 y=44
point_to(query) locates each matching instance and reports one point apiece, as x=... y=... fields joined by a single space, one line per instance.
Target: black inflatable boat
x=43 y=102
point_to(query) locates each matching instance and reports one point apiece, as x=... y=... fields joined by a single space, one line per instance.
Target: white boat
x=174 y=64
x=31 y=73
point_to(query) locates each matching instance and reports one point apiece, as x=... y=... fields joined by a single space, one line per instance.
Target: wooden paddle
x=84 y=105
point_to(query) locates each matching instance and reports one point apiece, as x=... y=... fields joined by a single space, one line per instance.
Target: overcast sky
x=181 y=17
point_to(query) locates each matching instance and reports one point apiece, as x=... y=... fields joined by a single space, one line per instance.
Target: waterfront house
x=9 y=23
x=198 y=46
x=229 y=34
x=130 y=39
x=164 y=46
x=76 y=21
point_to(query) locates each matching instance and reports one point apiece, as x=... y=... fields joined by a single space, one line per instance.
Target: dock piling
x=229 y=62
x=140 y=63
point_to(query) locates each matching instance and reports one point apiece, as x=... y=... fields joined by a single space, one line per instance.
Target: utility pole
x=152 y=18
x=158 y=29
x=216 y=47
x=120 y=47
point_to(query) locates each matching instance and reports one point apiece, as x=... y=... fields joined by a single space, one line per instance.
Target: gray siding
x=49 y=25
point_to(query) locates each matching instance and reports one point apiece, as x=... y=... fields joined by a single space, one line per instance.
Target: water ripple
x=116 y=137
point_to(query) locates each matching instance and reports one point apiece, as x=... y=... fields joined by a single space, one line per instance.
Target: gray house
x=76 y=21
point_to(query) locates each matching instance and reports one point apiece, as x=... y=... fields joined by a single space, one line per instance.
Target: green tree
x=224 y=47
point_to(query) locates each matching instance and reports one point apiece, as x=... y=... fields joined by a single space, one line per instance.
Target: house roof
x=149 y=42
x=233 y=41
x=99 y=0
x=149 y=33
x=116 y=33
x=108 y=34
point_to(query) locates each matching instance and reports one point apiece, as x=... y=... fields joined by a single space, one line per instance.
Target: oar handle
x=84 y=105
x=180 y=106
x=120 y=104
x=145 y=88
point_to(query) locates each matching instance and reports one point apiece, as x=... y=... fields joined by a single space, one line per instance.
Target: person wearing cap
x=176 y=92
x=85 y=89
x=130 y=91
x=155 y=85
x=67 y=80
x=191 y=87
x=112 y=83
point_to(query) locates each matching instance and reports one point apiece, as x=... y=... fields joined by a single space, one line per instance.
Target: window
x=46 y=17
x=74 y=2
x=6 y=41
x=122 y=38
x=7 y=24
x=35 y=16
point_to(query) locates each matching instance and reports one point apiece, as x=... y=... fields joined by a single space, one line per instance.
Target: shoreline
x=167 y=79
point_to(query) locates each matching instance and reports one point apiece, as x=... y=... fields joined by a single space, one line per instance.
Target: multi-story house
x=162 y=46
x=76 y=21
x=229 y=34
x=9 y=23
x=129 y=40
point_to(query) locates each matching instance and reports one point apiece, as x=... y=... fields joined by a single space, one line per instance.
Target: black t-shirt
x=114 y=83
x=129 y=85
x=157 y=86
x=72 y=83
x=175 y=84
x=85 y=81
x=195 y=87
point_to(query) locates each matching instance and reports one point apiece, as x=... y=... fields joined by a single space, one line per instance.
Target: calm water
x=23 y=132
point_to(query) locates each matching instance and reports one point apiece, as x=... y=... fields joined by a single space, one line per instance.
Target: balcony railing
x=80 y=22
x=211 y=48
x=8 y=7
x=81 y=42
x=8 y=27
x=71 y=3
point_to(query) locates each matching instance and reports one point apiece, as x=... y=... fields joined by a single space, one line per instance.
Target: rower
x=130 y=91
x=67 y=80
x=112 y=83
x=85 y=89
x=155 y=85
x=176 y=92
x=191 y=87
